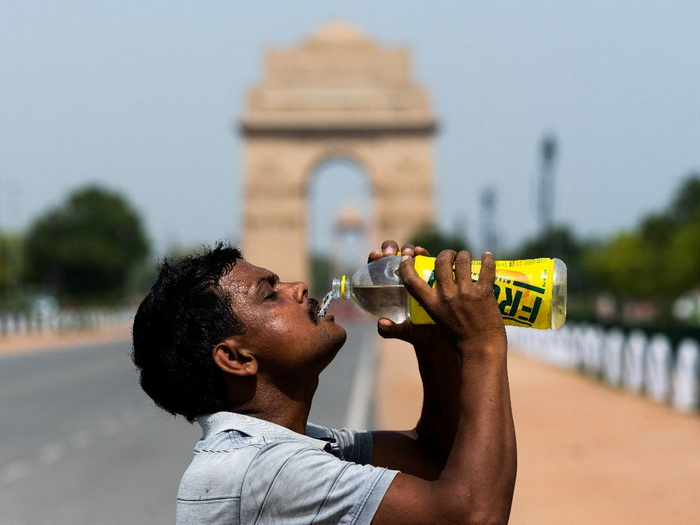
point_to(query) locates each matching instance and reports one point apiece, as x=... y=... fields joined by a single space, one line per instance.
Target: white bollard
x=577 y=337
x=633 y=361
x=561 y=347
x=612 y=356
x=686 y=377
x=658 y=368
x=592 y=350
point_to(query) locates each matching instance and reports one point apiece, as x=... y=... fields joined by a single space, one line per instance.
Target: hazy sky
x=144 y=98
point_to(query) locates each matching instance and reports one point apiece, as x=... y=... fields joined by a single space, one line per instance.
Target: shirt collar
x=223 y=421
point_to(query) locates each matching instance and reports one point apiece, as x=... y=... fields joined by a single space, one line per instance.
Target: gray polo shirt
x=249 y=471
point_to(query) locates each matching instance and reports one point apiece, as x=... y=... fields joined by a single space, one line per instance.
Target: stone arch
x=337 y=95
x=340 y=214
x=337 y=152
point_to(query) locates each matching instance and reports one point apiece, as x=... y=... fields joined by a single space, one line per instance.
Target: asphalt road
x=80 y=443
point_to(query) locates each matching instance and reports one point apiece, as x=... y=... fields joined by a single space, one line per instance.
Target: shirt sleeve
x=355 y=445
x=289 y=482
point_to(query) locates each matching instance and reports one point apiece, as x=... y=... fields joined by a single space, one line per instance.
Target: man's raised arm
x=423 y=450
x=477 y=481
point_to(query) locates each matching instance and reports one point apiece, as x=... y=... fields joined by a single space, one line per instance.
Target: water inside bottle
x=388 y=301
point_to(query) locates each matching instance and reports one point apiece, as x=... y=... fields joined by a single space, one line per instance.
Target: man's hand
x=464 y=309
x=417 y=335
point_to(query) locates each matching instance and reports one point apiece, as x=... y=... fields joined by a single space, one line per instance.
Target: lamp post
x=546 y=194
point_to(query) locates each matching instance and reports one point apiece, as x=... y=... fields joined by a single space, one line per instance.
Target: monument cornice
x=330 y=131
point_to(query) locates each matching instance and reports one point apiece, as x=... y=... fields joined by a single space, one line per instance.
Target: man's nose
x=299 y=291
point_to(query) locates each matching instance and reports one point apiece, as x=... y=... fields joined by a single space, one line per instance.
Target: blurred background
x=566 y=130
x=563 y=130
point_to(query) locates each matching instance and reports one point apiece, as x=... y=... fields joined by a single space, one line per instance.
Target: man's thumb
x=390 y=330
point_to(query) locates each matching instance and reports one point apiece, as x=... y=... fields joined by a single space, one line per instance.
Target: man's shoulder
x=234 y=473
x=223 y=463
x=233 y=442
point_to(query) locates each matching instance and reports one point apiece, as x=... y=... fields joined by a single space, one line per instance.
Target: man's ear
x=233 y=358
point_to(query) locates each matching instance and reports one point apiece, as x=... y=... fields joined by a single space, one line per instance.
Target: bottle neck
x=341 y=288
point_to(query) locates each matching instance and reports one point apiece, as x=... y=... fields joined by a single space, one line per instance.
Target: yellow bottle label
x=523 y=290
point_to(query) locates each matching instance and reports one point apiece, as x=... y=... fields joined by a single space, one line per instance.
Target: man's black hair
x=184 y=316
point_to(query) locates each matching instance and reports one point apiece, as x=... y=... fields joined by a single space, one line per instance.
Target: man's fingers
x=415 y=286
x=487 y=275
x=408 y=249
x=390 y=248
x=390 y=330
x=443 y=267
x=463 y=268
x=419 y=250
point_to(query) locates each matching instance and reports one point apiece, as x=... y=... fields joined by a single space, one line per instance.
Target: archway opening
x=339 y=218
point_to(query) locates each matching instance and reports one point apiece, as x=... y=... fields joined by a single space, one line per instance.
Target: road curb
x=29 y=343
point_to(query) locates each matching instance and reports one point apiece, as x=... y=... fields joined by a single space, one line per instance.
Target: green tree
x=626 y=267
x=684 y=257
x=434 y=240
x=661 y=257
x=11 y=265
x=681 y=249
x=85 y=249
x=563 y=244
x=685 y=207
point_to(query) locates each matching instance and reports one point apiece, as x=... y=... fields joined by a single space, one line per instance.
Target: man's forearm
x=439 y=366
x=485 y=441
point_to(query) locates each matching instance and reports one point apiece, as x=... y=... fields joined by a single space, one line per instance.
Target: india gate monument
x=338 y=95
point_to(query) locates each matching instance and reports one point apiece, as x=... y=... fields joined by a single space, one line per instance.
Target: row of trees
x=645 y=268
x=93 y=249
x=89 y=250
x=638 y=274
x=661 y=257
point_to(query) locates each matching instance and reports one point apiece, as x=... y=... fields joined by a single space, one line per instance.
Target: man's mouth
x=313 y=310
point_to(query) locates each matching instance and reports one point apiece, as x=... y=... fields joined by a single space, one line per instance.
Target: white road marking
x=362 y=388
x=14 y=472
x=79 y=440
x=51 y=454
x=82 y=439
x=110 y=427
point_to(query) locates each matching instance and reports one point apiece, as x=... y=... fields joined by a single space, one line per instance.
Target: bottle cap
x=340 y=289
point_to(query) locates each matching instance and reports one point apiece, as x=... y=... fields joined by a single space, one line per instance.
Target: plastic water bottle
x=529 y=292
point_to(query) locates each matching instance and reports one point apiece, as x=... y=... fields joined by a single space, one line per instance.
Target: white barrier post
x=592 y=350
x=612 y=356
x=563 y=347
x=577 y=336
x=686 y=377
x=658 y=368
x=633 y=361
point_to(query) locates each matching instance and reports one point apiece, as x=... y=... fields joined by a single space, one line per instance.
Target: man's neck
x=275 y=406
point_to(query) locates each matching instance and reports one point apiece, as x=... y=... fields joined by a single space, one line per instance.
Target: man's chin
x=339 y=334
x=335 y=339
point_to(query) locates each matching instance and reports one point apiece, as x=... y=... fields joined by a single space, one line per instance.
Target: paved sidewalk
x=587 y=454
x=20 y=344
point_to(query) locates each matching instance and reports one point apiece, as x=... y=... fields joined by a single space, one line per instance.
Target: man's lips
x=313 y=309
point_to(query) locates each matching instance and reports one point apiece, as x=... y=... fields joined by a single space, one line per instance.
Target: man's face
x=282 y=328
